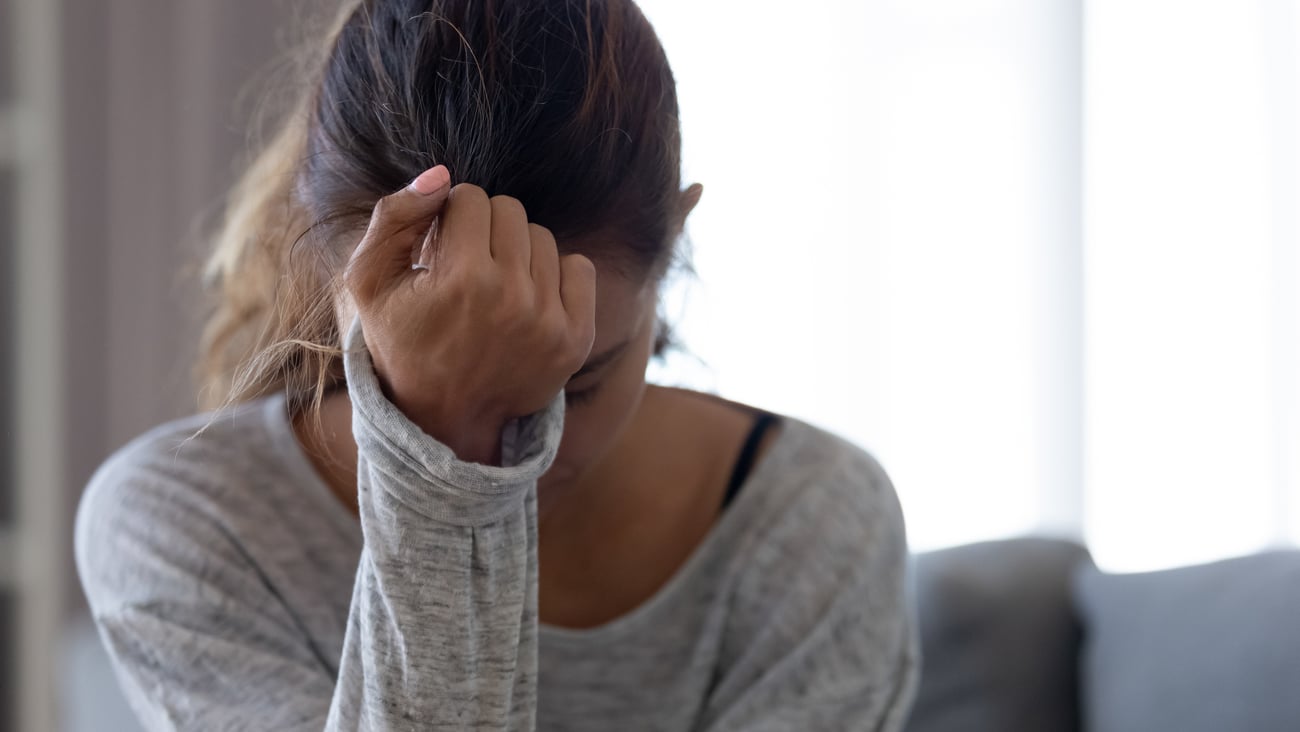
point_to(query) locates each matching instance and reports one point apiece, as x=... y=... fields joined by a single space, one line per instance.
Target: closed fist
x=470 y=315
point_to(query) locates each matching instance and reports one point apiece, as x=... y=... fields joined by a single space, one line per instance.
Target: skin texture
x=641 y=469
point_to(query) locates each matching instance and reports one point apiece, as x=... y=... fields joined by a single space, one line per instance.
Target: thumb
x=398 y=222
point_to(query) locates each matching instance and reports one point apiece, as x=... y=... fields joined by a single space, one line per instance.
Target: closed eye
x=580 y=397
x=598 y=361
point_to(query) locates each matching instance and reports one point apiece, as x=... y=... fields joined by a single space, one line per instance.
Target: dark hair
x=567 y=105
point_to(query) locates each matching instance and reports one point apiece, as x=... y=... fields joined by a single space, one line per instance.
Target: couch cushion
x=998 y=638
x=1212 y=647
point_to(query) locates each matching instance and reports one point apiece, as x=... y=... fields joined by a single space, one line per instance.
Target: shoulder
x=808 y=487
x=183 y=460
x=825 y=516
x=819 y=583
x=819 y=481
x=167 y=495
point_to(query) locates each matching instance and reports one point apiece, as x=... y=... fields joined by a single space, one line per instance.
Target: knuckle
x=468 y=282
x=383 y=208
x=508 y=206
x=467 y=192
x=541 y=235
x=393 y=215
x=579 y=264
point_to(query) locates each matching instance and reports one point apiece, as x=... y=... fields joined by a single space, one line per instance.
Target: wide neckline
x=731 y=522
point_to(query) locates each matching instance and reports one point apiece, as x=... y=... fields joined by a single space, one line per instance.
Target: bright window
x=1041 y=263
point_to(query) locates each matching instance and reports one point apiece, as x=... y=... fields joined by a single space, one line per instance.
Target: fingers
x=511 y=246
x=465 y=228
x=462 y=227
x=544 y=264
x=578 y=292
x=396 y=225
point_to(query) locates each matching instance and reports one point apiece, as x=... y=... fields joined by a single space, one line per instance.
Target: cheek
x=594 y=427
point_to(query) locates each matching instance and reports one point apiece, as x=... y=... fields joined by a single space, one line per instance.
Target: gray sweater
x=233 y=591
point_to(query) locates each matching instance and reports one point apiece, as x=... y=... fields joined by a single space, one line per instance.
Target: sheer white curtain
x=1040 y=261
x=1191 y=271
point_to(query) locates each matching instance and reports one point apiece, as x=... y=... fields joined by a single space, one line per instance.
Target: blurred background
x=1040 y=257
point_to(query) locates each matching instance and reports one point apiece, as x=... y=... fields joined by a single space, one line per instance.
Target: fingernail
x=431 y=180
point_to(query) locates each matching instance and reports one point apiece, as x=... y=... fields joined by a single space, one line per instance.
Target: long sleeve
x=443 y=626
x=178 y=552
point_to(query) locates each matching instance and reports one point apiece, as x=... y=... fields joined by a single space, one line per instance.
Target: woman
x=442 y=495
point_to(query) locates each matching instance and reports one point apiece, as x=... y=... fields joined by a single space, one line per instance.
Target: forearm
x=442 y=628
x=443 y=622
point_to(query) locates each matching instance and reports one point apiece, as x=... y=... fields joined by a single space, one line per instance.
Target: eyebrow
x=597 y=362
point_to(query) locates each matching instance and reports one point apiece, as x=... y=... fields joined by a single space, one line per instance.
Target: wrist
x=472 y=445
x=473 y=439
x=474 y=435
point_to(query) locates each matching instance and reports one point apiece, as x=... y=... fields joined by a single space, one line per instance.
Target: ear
x=686 y=203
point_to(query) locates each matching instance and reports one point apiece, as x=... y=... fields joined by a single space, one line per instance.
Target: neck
x=330 y=446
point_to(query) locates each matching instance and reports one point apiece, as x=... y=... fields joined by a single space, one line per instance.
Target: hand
x=489 y=322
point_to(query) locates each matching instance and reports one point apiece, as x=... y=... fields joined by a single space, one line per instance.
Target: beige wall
x=152 y=134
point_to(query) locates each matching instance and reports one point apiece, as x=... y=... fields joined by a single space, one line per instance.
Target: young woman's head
x=567 y=105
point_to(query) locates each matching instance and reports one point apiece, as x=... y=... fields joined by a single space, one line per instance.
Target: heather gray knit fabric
x=235 y=592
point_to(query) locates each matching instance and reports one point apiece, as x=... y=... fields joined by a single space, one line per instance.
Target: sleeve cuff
x=424 y=474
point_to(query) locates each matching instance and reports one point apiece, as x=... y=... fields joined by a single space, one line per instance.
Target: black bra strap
x=746 y=460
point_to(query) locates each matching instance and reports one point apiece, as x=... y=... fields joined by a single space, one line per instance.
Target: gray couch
x=1027 y=635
